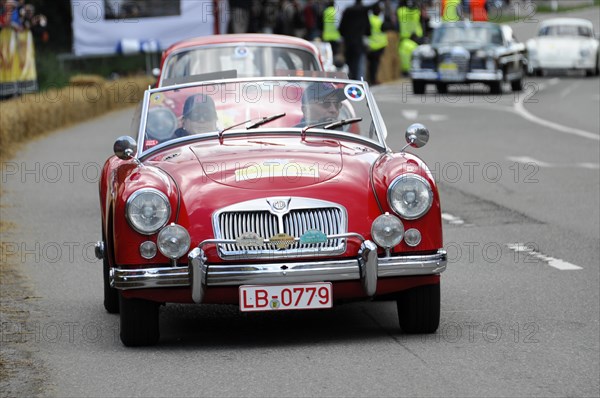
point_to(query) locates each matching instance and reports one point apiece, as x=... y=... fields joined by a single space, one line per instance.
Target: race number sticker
x=354 y=92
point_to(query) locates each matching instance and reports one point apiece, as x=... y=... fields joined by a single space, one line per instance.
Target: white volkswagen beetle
x=564 y=44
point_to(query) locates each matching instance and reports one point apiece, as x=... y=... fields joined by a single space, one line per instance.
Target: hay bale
x=32 y=115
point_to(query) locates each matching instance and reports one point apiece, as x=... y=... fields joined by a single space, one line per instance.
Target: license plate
x=448 y=67
x=305 y=296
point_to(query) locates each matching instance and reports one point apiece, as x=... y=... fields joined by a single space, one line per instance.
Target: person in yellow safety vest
x=331 y=34
x=411 y=31
x=407 y=46
x=377 y=43
x=451 y=10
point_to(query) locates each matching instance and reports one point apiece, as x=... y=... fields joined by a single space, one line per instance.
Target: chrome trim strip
x=488 y=76
x=423 y=75
x=412 y=265
x=199 y=274
x=143 y=278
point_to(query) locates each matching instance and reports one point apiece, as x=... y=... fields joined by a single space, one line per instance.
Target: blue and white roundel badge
x=241 y=52
x=354 y=92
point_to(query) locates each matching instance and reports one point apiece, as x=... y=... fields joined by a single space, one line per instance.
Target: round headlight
x=173 y=241
x=387 y=230
x=147 y=211
x=410 y=196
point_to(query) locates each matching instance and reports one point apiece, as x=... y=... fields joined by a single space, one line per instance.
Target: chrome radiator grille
x=301 y=215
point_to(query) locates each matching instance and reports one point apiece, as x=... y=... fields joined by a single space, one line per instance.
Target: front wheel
x=418 y=87
x=419 y=309
x=516 y=85
x=139 y=322
x=111 y=295
x=495 y=88
x=442 y=88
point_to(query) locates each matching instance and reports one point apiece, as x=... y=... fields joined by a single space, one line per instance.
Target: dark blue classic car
x=469 y=52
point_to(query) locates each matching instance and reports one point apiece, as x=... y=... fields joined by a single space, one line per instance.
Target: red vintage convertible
x=252 y=55
x=271 y=194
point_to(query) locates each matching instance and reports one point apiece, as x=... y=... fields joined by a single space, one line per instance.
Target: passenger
x=199 y=116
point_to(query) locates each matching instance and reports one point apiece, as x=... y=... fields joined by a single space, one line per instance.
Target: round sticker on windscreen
x=354 y=92
x=241 y=52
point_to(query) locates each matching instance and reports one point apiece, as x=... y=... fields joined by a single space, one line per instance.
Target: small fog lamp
x=148 y=249
x=412 y=237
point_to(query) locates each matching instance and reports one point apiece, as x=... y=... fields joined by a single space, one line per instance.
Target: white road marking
x=554 y=81
x=593 y=166
x=568 y=90
x=410 y=114
x=413 y=114
x=527 y=159
x=438 y=118
x=520 y=109
x=539 y=163
x=452 y=219
x=553 y=262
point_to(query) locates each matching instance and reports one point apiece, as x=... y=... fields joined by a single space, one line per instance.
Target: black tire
x=495 y=88
x=517 y=85
x=419 y=309
x=139 y=322
x=442 y=88
x=111 y=295
x=418 y=87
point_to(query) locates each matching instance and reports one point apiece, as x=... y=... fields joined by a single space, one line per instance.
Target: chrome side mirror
x=417 y=135
x=125 y=147
x=155 y=72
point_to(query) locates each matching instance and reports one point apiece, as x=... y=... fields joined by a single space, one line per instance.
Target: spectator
x=411 y=31
x=389 y=66
x=36 y=23
x=330 y=30
x=355 y=28
x=310 y=20
x=268 y=16
x=239 y=16
x=377 y=43
x=289 y=19
x=10 y=16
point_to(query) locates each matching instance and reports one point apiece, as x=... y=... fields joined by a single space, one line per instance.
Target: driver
x=321 y=102
x=199 y=116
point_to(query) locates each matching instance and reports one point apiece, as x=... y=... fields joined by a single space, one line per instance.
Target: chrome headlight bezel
x=425 y=192
x=162 y=218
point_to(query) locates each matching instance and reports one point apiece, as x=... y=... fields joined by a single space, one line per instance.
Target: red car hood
x=265 y=163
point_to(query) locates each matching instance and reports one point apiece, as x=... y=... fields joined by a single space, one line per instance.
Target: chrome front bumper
x=475 y=76
x=366 y=267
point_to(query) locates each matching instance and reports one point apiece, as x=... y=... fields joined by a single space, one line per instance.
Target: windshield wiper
x=330 y=124
x=265 y=120
x=343 y=122
x=260 y=122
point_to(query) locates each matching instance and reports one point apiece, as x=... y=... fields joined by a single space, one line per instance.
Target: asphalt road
x=519 y=177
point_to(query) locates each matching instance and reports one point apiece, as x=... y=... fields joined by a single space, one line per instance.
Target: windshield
x=566 y=30
x=467 y=34
x=248 y=60
x=291 y=105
